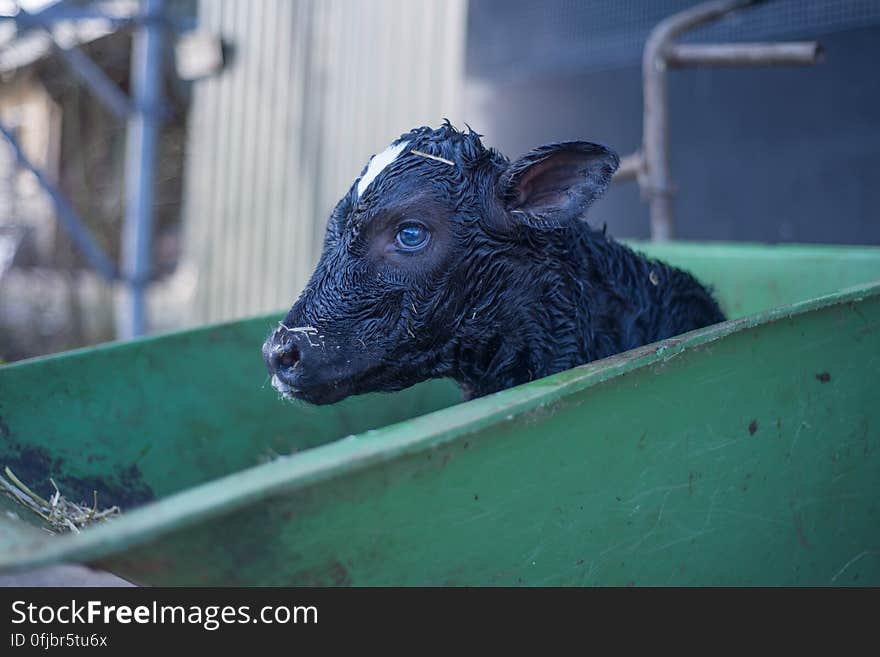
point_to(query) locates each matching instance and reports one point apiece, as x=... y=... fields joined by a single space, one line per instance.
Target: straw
x=58 y=512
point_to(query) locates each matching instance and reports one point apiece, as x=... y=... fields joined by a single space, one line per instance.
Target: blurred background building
x=272 y=107
x=311 y=90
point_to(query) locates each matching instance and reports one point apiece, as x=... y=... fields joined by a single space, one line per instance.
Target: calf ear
x=556 y=183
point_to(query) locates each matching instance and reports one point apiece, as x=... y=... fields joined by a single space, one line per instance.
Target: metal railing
x=142 y=113
x=650 y=166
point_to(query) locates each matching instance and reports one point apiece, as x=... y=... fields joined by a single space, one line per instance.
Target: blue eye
x=412 y=237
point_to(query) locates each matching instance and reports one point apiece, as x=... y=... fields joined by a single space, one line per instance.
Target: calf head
x=435 y=264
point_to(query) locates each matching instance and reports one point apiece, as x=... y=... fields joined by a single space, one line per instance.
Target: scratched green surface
x=747 y=453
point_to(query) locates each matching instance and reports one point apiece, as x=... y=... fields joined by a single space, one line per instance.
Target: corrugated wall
x=312 y=88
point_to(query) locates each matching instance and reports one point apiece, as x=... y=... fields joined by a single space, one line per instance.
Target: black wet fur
x=513 y=285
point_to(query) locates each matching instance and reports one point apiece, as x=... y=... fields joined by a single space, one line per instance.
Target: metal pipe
x=631 y=167
x=81 y=65
x=800 y=53
x=60 y=13
x=657 y=182
x=106 y=91
x=140 y=165
x=68 y=217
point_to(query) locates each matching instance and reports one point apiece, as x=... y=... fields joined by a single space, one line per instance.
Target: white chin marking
x=280 y=386
x=378 y=163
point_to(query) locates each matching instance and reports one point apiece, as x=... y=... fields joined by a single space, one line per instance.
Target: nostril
x=289 y=358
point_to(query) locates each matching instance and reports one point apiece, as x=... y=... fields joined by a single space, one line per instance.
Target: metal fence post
x=140 y=165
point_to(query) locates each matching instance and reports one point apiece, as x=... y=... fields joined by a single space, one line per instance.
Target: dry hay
x=58 y=512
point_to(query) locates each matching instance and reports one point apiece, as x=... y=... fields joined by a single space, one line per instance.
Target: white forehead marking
x=378 y=163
